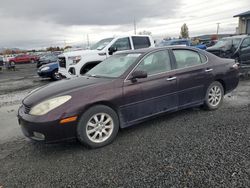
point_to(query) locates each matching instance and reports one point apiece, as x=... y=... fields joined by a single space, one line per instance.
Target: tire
x=214 y=96
x=55 y=76
x=92 y=122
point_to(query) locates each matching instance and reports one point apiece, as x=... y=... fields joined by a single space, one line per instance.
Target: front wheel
x=55 y=76
x=214 y=96
x=98 y=126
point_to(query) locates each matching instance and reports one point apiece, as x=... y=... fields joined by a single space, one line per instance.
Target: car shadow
x=123 y=135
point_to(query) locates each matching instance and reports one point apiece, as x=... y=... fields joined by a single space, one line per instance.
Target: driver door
x=154 y=94
x=245 y=51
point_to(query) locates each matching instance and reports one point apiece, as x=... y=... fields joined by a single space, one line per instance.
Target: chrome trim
x=208 y=70
x=171 y=79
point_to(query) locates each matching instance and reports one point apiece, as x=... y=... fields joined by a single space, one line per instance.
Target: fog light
x=38 y=136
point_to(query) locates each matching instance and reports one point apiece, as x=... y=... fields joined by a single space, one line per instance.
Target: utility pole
x=134 y=26
x=218 y=27
x=88 y=40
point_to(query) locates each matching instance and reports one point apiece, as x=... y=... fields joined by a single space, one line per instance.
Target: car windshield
x=228 y=42
x=114 y=66
x=101 y=44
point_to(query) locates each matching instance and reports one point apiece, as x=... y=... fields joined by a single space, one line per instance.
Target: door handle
x=208 y=70
x=171 y=78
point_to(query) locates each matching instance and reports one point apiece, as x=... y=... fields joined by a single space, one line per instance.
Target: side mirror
x=138 y=75
x=112 y=50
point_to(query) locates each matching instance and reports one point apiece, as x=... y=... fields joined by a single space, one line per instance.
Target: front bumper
x=44 y=74
x=63 y=73
x=38 y=129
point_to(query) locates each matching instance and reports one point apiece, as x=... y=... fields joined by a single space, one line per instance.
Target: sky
x=32 y=24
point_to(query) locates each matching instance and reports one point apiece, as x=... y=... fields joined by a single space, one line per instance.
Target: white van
x=77 y=63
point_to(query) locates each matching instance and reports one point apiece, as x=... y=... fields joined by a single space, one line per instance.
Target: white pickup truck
x=77 y=63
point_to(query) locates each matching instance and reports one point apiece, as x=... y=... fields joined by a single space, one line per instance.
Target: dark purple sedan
x=124 y=90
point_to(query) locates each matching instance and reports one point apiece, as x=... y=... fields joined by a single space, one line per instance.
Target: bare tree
x=145 y=32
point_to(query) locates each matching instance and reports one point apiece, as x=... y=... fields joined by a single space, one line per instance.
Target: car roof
x=146 y=50
x=236 y=37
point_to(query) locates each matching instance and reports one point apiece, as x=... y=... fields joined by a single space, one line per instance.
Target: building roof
x=247 y=13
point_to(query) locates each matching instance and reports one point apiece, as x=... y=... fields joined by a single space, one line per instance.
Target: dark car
x=181 y=42
x=49 y=71
x=1 y=63
x=236 y=47
x=49 y=58
x=126 y=89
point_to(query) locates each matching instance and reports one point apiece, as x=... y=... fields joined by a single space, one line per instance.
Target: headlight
x=75 y=59
x=48 y=105
x=45 y=68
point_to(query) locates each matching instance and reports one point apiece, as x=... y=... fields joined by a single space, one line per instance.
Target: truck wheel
x=98 y=126
x=214 y=96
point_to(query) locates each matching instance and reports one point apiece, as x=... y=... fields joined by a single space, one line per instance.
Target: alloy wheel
x=214 y=95
x=99 y=127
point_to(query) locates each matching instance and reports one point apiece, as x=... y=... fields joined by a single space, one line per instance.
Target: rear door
x=193 y=74
x=245 y=51
x=151 y=95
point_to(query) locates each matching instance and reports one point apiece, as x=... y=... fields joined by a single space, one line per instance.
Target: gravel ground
x=191 y=148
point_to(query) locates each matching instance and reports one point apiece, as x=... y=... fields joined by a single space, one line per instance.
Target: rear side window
x=141 y=42
x=188 y=58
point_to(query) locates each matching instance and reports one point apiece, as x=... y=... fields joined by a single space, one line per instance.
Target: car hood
x=80 y=53
x=63 y=87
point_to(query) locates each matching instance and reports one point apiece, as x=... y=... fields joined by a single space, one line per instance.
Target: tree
x=145 y=33
x=184 y=31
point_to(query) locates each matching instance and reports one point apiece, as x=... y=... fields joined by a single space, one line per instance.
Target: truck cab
x=76 y=63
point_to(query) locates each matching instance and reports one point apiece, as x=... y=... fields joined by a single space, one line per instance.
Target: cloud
x=88 y=12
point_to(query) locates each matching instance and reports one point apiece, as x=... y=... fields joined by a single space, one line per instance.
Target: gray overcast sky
x=40 y=23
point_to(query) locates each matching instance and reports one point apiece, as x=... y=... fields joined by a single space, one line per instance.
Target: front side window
x=122 y=44
x=187 y=58
x=155 y=63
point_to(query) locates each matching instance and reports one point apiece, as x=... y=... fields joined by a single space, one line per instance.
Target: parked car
x=24 y=59
x=236 y=47
x=77 y=63
x=180 y=42
x=126 y=89
x=49 y=70
x=49 y=58
x=1 y=62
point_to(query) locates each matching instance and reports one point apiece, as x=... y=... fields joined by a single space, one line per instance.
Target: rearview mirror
x=112 y=50
x=138 y=74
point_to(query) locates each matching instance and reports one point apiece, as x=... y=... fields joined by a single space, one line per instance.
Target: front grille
x=62 y=62
x=26 y=109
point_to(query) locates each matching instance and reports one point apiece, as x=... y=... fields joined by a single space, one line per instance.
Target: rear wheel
x=32 y=61
x=98 y=126
x=214 y=96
